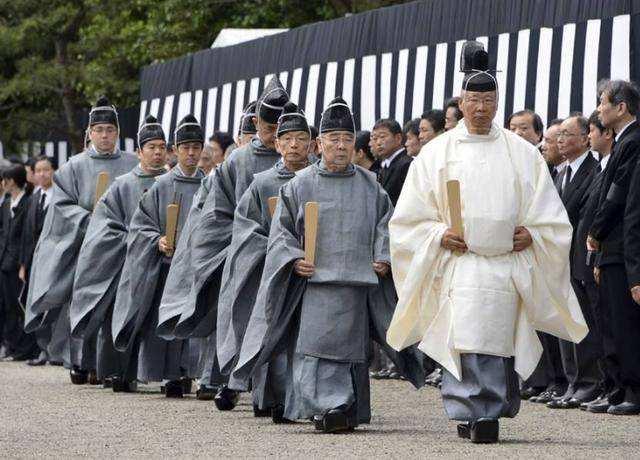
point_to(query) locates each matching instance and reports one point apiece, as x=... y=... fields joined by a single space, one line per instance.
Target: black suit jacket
x=392 y=180
x=583 y=268
x=574 y=200
x=608 y=224
x=33 y=223
x=11 y=239
x=632 y=230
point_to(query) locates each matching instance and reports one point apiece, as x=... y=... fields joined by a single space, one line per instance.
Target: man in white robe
x=474 y=302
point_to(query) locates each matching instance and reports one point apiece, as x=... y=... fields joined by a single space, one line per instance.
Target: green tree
x=57 y=57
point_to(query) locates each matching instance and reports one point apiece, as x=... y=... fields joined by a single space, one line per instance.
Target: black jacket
x=574 y=200
x=632 y=230
x=393 y=178
x=582 y=267
x=608 y=224
x=11 y=236
x=33 y=223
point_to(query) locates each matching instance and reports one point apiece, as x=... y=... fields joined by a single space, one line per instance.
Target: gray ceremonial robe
x=240 y=282
x=176 y=292
x=100 y=262
x=54 y=261
x=142 y=282
x=325 y=321
x=213 y=235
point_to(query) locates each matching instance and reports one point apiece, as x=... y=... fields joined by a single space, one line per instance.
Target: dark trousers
x=18 y=343
x=625 y=323
x=580 y=361
x=549 y=373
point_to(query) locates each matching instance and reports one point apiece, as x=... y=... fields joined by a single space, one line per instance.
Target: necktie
x=554 y=173
x=598 y=168
x=43 y=198
x=383 y=174
x=567 y=179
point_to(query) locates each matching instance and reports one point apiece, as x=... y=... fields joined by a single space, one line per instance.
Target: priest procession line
x=296 y=263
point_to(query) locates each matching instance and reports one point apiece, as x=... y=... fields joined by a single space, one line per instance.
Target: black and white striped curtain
x=552 y=70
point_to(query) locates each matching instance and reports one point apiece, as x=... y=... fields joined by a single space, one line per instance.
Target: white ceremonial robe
x=489 y=300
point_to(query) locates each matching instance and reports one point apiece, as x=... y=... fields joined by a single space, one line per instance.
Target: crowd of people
x=203 y=261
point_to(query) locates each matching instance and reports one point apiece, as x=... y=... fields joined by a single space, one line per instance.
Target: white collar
x=17 y=199
x=624 y=129
x=575 y=164
x=604 y=161
x=386 y=163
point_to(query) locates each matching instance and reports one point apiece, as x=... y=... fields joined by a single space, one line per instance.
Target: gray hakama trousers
x=160 y=359
x=269 y=385
x=488 y=389
x=328 y=366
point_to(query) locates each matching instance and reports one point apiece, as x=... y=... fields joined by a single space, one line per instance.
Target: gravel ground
x=42 y=414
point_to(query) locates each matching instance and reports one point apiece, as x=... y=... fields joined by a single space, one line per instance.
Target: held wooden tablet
x=273 y=202
x=455 y=207
x=310 y=231
x=172 y=224
x=102 y=183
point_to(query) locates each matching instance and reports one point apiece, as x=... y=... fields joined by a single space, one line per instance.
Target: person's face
x=358 y=157
x=266 y=132
x=522 y=125
x=244 y=139
x=608 y=112
x=386 y=142
x=9 y=185
x=43 y=174
x=426 y=132
x=189 y=155
x=600 y=140
x=412 y=144
x=479 y=109
x=294 y=147
x=103 y=136
x=549 y=147
x=217 y=154
x=337 y=149
x=571 y=142
x=30 y=176
x=153 y=154
x=450 y=119
x=206 y=160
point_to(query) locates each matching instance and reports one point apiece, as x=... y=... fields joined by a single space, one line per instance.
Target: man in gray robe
x=56 y=255
x=245 y=260
x=324 y=312
x=95 y=284
x=196 y=316
x=149 y=254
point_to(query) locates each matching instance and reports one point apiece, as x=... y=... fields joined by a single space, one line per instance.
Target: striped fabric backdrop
x=553 y=71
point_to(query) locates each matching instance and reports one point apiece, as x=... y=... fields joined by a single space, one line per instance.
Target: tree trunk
x=69 y=98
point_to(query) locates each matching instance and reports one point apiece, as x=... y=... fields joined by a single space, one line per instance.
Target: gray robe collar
x=323 y=171
x=93 y=153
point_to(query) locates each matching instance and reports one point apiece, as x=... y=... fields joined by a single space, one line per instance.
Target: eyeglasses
x=567 y=134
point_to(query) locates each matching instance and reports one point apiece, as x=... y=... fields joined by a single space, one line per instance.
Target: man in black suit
x=387 y=143
x=548 y=380
x=44 y=168
x=580 y=361
x=601 y=140
x=19 y=346
x=619 y=102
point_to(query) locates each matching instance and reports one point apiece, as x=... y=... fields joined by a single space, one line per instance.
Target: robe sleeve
x=541 y=272
x=212 y=236
x=54 y=260
x=381 y=238
x=141 y=270
x=241 y=277
x=95 y=283
x=415 y=230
